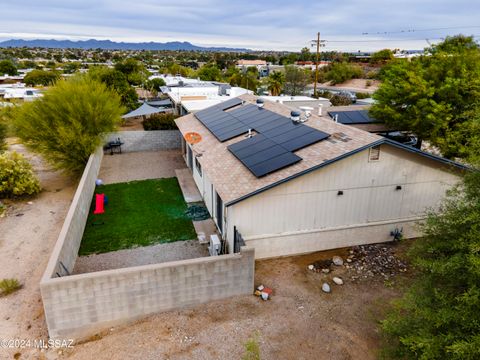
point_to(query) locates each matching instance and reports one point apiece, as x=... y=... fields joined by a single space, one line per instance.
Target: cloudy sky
x=269 y=24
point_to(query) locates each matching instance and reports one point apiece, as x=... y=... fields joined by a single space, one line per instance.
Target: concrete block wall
x=147 y=140
x=65 y=252
x=80 y=305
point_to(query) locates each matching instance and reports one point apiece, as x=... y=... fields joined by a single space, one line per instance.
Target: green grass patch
x=138 y=213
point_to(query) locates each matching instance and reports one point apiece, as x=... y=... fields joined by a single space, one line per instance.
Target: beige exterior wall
x=307 y=214
x=80 y=305
x=65 y=252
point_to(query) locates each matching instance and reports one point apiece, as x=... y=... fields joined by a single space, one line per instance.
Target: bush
x=325 y=94
x=340 y=100
x=8 y=286
x=16 y=176
x=160 y=122
x=3 y=135
x=363 y=95
x=69 y=122
x=41 y=77
x=341 y=72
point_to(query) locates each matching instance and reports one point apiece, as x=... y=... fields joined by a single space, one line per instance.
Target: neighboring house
x=300 y=102
x=295 y=188
x=261 y=65
x=12 y=92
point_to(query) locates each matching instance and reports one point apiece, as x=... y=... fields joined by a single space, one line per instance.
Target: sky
x=349 y=25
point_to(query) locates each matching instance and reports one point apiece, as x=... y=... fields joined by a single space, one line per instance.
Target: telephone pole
x=319 y=43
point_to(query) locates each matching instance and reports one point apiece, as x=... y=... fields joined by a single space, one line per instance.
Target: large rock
x=337 y=260
x=326 y=288
x=337 y=280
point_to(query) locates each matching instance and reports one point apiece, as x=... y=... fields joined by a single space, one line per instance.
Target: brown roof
x=251 y=62
x=232 y=180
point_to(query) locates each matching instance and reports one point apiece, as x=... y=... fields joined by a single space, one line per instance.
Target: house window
x=374 y=154
x=198 y=166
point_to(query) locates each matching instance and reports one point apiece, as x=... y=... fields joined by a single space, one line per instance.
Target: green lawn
x=138 y=213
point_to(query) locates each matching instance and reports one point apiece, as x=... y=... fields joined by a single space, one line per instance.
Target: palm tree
x=275 y=83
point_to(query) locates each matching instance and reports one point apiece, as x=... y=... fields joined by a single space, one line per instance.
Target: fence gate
x=238 y=241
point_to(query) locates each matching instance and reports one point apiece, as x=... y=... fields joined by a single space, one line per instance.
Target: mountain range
x=112 y=45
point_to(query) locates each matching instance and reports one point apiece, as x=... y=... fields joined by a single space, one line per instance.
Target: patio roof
x=143 y=110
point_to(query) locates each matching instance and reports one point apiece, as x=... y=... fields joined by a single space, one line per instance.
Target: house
x=300 y=102
x=261 y=65
x=19 y=92
x=289 y=187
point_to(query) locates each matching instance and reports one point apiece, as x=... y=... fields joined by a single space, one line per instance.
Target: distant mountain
x=112 y=45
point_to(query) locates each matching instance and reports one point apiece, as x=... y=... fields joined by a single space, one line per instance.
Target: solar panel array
x=352 y=117
x=272 y=147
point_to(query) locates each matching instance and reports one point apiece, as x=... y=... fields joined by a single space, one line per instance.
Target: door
x=189 y=157
x=219 y=213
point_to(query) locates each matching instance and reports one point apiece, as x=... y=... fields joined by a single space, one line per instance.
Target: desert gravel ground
x=155 y=254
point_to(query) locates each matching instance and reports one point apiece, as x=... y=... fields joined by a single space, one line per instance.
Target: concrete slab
x=204 y=229
x=187 y=184
x=143 y=165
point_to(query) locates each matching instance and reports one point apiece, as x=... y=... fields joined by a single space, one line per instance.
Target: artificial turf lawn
x=138 y=213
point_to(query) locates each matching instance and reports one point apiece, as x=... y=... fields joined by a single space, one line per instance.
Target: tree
x=276 y=80
x=437 y=97
x=295 y=80
x=209 y=72
x=439 y=316
x=69 y=122
x=41 y=77
x=247 y=79
x=7 y=67
x=305 y=54
x=381 y=57
x=340 y=72
x=118 y=82
x=154 y=85
x=71 y=67
x=134 y=70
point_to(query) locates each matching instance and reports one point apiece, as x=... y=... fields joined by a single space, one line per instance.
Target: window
x=374 y=154
x=198 y=166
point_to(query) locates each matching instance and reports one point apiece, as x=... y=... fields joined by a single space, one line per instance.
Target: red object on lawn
x=99 y=204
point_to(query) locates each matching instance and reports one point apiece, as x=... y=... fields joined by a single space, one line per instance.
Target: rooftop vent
x=260 y=103
x=295 y=116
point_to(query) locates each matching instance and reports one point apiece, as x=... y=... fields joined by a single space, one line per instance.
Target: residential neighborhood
x=270 y=181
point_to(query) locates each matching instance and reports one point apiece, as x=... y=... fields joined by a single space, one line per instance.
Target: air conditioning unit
x=215 y=245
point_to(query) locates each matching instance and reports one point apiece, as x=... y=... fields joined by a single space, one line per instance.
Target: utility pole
x=318 y=42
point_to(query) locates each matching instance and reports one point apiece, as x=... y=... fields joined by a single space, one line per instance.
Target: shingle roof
x=232 y=180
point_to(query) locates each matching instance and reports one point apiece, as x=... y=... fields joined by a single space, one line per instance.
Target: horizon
x=272 y=25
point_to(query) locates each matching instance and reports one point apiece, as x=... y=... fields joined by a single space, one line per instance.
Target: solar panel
x=271 y=148
x=353 y=117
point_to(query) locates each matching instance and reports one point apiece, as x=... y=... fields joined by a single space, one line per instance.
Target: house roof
x=234 y=182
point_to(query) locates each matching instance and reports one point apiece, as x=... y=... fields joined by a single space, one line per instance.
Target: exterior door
x=219 y=213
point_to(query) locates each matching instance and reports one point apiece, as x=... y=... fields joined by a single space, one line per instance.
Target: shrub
x=41 y=77
x=8 y=286
x=341 y=72
x=16 y=176
x=325 y=94
x=160 y=122
x=69 y=122
x=3 y=135
x=363 y=95
x=372 y=74
x=340 y=100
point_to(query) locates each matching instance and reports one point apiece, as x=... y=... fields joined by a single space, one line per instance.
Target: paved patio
x=126 y=167
x=187 y=184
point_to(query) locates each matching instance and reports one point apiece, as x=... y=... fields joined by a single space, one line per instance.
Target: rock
x=326 y=288
x=337 y=260
x=349 y=260
x=325 y=271
x=337 y=280
x=311 y=267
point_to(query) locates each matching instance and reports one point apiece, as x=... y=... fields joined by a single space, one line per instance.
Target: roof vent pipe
x=320 y=109
x=295 y=116
x=260 y=103
x=336 y=118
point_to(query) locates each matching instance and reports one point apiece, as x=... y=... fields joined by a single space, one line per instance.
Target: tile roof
x=232 y=180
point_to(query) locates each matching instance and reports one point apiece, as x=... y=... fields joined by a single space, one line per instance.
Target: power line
x=383 y=40
x=419 y=30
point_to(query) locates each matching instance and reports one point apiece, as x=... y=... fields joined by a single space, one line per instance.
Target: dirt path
x=27 y=236
x=299 y=322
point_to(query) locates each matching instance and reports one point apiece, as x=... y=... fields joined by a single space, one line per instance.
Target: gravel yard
x=143 y=165
x=180 y=250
